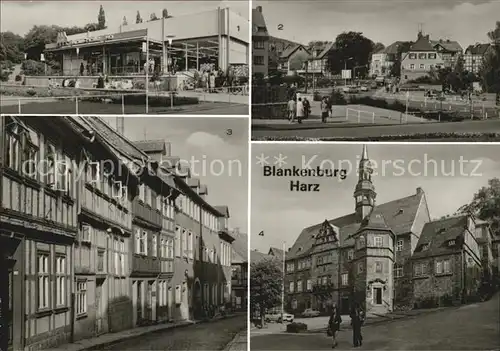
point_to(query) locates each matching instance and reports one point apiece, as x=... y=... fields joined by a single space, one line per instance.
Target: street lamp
x=345 y=68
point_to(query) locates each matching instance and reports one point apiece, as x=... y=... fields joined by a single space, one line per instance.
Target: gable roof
x=150 y=145
x=224 y=210
x=257 y=256
x=375 y=220
x=240 y=248
x=448 y=45
x=398 y=214
x=422 y=44
x=259 y=21
x=437 y=233
x=478 y=49
x=273 y=251
x=329 y=47
x=393 y=48
x=118 y=141
x=291 y=49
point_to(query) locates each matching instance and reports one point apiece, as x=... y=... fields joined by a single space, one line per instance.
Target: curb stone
x=74 y=346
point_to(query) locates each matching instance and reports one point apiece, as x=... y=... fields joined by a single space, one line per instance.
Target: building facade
x=474 y=56
x=39 y=224
x=447 y=261
x=220 y=39
x=260 y=43
x=239 y=271
x=420 y=60
x=363 y=256
x=98 y=236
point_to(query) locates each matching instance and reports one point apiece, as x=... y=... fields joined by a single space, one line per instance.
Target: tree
x=396 y=66
x=101 y=18
x=138 y=18
x=486 y=204
x=153 y=17
x=351 y=49
x=490 y=70
x=11 y=47
x=266 y=281
x=164 y=14
x=377 y=47
x=124 y=23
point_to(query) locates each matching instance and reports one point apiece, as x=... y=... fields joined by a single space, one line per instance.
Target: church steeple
x=364 y=193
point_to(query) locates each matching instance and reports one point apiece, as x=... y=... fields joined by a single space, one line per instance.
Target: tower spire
x=364 y=193
x=364 y=154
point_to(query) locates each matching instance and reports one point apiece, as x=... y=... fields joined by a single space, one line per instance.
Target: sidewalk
x=239 y=343
x=112 y=338
x=390 y=317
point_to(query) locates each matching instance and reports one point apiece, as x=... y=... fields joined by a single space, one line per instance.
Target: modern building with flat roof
x=210 y=40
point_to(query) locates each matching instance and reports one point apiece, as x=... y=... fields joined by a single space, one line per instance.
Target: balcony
x=145 y=265
x=146 y=213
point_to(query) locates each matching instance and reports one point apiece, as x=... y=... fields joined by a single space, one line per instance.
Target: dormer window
x=451 y=243
x=425 y=247
x=401 y=211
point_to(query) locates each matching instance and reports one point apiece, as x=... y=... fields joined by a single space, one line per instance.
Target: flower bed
x=271 y=111
x=85 y=95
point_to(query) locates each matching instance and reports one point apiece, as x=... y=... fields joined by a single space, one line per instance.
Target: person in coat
x=300 y=110
x=324 y=110
x=357 y=320
x=334 y=325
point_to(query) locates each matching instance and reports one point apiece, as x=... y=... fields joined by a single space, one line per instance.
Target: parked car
x=276 y=317
x=309 y=313
x=350 y=89
x=373 y=85
x=364 y=88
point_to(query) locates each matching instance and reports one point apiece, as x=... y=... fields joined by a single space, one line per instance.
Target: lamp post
x=345 y=68
x=283 y=284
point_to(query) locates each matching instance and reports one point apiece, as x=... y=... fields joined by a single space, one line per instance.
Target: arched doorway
x=197 y=301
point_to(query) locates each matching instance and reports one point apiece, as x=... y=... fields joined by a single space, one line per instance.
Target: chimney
x=420 y=191
x=259 y=9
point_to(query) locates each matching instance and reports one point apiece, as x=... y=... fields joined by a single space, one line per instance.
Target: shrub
x=18 y=78
x=317 y=96
x=296 y=328
x=337 y=98
x=33 y=68
x=31 y=92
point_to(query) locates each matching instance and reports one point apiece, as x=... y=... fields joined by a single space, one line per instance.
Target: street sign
x=144 y=47
x=346 y=74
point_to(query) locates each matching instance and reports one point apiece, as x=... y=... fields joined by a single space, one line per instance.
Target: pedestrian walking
x=291 y=108
x=334 y=325
x=212 y=82
x=329 y=104
x=300 y=110
x=324 y=109
x=82 y=68
x=307 y=108
x=357 y=320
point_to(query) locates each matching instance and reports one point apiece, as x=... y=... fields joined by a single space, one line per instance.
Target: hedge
x=466 y=137
x=296 y=328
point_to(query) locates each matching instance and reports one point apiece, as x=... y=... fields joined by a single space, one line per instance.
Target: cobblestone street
x=203 y=336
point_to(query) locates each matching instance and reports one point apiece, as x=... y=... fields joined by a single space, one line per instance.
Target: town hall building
x=366 y=256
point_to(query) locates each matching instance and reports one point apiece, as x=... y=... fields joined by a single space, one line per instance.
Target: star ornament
x=280 y=161
x=262 y=160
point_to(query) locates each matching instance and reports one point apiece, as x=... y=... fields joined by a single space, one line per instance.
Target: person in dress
x=334 y=325
x=300 y=110
x=292 y=106
x=324 y=109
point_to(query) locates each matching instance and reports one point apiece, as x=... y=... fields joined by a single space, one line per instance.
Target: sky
x=220 y=160
x=384 y=21
x=20 y=16
x=282 y=214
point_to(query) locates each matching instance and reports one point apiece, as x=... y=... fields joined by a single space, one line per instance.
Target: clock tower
x=364 y=193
